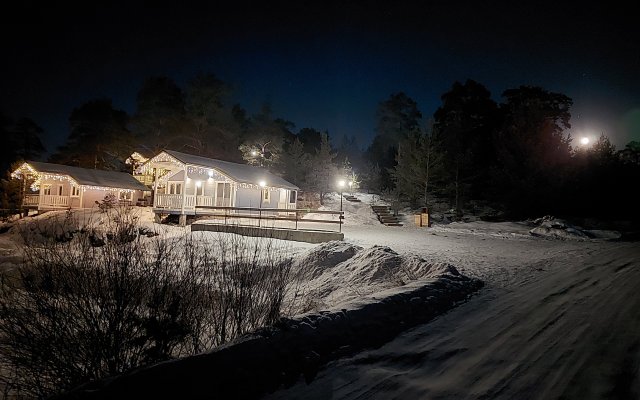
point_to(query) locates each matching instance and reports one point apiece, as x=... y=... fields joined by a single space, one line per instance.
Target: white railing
x=204 y=201
x=31 y=199
x=170 y=201
x=49 y=200
x=174 y=201
x=189 y=202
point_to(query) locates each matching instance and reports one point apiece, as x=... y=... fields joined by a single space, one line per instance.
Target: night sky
x=324 y=65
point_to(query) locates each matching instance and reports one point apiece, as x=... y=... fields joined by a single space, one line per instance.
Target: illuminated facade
x=186 y=184
x=53 y=186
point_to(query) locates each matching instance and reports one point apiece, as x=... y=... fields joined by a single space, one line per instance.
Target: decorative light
x=584 y=141
x=198 y=183
x=341 y=183
x=262 y=183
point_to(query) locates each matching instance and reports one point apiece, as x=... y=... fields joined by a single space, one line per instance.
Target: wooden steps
x=351 y=198
x=385 y=216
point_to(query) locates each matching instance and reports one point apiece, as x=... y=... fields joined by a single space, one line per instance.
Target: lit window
x=46 y=190
x=265 y=195
x=175 y=188
x=126 y=196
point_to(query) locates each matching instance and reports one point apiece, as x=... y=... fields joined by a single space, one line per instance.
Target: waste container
x=422 y=219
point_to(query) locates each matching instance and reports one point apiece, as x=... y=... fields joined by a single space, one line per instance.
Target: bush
x=82 y=309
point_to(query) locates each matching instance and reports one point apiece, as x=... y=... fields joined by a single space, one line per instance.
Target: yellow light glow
x=584 y=141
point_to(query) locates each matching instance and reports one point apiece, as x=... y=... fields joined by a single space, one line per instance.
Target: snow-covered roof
x=90 y=177
x=238 y=172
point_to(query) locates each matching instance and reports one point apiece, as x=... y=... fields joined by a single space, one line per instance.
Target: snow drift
x=337 y=272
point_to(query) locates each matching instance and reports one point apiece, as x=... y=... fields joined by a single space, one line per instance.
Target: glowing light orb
x=584 y=141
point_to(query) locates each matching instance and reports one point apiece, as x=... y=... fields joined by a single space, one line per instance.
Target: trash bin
x=422 y=219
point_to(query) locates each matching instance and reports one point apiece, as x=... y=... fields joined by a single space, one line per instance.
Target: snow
x=558 y=317
x=336 y=272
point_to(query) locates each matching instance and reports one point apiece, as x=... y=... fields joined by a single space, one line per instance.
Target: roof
x=238 y=172
x=91 y=177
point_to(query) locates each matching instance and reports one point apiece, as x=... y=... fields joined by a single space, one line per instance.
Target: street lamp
x=262 y=185
x=341 y=186
x=260 y=152
x=351 y=188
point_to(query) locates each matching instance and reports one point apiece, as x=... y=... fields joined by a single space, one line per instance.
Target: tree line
x=515 y=156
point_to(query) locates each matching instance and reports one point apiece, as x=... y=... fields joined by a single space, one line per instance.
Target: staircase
x=351 y=198
x=385 y=216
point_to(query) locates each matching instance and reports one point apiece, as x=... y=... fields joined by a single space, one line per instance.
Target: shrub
x=83 y=309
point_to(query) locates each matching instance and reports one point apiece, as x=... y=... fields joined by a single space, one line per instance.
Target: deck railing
x=174 y=202
x=274 y=217
x=31 y=200
x=50 y=200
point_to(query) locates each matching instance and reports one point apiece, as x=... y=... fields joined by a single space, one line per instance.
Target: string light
x=47 y=176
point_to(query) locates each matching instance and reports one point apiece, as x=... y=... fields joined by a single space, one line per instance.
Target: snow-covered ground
x=559 y=316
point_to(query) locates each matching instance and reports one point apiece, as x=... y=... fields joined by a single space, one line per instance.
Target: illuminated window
x=266 y=195
x=126 y=196
x=46 y=190
x=175 y=188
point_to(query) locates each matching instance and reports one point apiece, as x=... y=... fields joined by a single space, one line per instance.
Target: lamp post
x=341 y=186
x=262 y=185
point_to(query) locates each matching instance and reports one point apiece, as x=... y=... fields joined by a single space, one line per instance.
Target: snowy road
x=556 y=320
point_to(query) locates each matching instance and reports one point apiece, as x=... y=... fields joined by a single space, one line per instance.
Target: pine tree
x=297 y=164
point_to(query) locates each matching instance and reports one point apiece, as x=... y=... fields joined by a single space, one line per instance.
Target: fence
x=274 y=217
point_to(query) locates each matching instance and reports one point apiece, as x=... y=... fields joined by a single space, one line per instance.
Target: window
x=175 y=188
x=266 y=195
x=75 y=191
x=293 y=196
x=46 y=190
x=199 y=189
x=126 y=196
x=59 y=190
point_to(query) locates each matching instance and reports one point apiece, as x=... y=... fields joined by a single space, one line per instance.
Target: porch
x=45 y=201
x=194 y=204
x=186 y=203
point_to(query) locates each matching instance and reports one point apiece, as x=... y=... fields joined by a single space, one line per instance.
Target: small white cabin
x=55 y=186
x=184 y=184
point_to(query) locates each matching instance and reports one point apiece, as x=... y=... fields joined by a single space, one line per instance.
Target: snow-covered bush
x=82 y=309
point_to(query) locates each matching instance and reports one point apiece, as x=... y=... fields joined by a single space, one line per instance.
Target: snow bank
x=262 y=362
x=554 y=228
x=337 y=272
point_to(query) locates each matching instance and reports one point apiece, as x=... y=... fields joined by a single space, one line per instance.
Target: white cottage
x=55 y=186
x=185 y=184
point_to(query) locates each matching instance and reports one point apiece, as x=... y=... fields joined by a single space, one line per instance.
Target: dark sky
x=324 y=64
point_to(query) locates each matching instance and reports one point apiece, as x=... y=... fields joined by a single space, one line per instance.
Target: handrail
x=297 y=211
x=305 y=210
